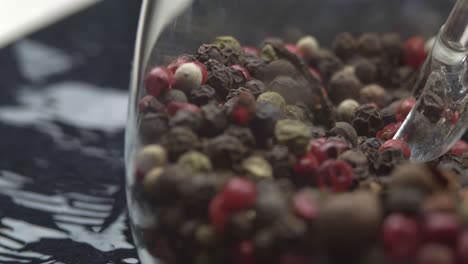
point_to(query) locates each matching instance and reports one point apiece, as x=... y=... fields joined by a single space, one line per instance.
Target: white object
x=188 y=76
x=19 y=18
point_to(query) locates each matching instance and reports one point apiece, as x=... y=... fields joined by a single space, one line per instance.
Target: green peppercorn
x=257 y=168
x=294 y=134
x=272 y=97
x=195 y=161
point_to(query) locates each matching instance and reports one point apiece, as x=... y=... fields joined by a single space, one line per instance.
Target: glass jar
x=170 y=28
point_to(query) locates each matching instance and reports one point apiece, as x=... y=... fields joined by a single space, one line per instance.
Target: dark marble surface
x=63 y=97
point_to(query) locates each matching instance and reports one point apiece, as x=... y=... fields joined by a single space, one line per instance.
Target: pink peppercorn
x=158 y=80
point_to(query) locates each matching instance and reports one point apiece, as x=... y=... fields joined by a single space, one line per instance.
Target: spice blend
x=283 y=153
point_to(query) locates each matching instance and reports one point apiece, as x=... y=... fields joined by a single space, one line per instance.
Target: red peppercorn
x=175 y=64
x=174 y=107
x=218 y=214
x=306 y=166
x=139 y=175
x=241 y=116
x=305 y=206
x=389 y=131
x=244 y=253
x=396 y=144
x=243 y=109
x=404 y=108
x=460 y=148
x=158 y=80
x=455 y=117
x=400 y=236
x=243 y=71
x=239 y=193
x=203 y=71
x=293 y=49
x=293 y=259
x=336 y=174
x=329 y=150
x=441 y=227
x=461 y=249
x=316 y=74
x=250 y=51
x=414 y=52
x=316 y=143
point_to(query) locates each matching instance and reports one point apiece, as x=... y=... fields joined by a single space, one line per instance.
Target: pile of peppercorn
x=284 y=154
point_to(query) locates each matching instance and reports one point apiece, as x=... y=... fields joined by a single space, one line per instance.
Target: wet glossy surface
x=63 y=109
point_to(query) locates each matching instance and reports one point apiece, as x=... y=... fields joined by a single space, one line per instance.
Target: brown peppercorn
x=346 y=131
x=197 y=191
x=344 y=45
x=392 y=46
x=365 y=70
x=362 y=214
x=403 y=199
x=288 y=87
x=344 y=85
x=225 y=152
x=214 y=120
x=294 y=134
x=358 y=161
x=280 y=160
x=152 y=127
x=150 y=104
x=367 y=120
x=327 y=64
x=369 y=45
x=278 y=68
x=443 y=201
x=263 y=125
x=173 y=95
x=271 y=202
x=374 y=93
x=162 y=187
x=435 y=254
x=195 y=161
x=179 y=140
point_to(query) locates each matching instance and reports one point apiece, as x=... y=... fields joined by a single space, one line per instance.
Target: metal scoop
x=440 y=115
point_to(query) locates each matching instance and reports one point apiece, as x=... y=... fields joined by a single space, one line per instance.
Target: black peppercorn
x=202 y=95
x=264 y=122
x=163 y=189
x=241 y=225
x=365 y=70
x=431 y=106
x=344 y=45
x=392 y=46
x=225 y=152
x=346 y=131
x=179 y=140
x=150 y=104
x=280 y=160
x=327 y=64
x=344 y=85
x=256 y=87
x=367 y=120
x=210 y=52
x=223 y=78
x=374 y=93
x=255 y=66
x=388 y=160
x=290 y=232
x=271 y=203
x=189 y=119
x=244 y=134
x=358 y=161
x=292 y=90
x=152 y=127
x=214 y=120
